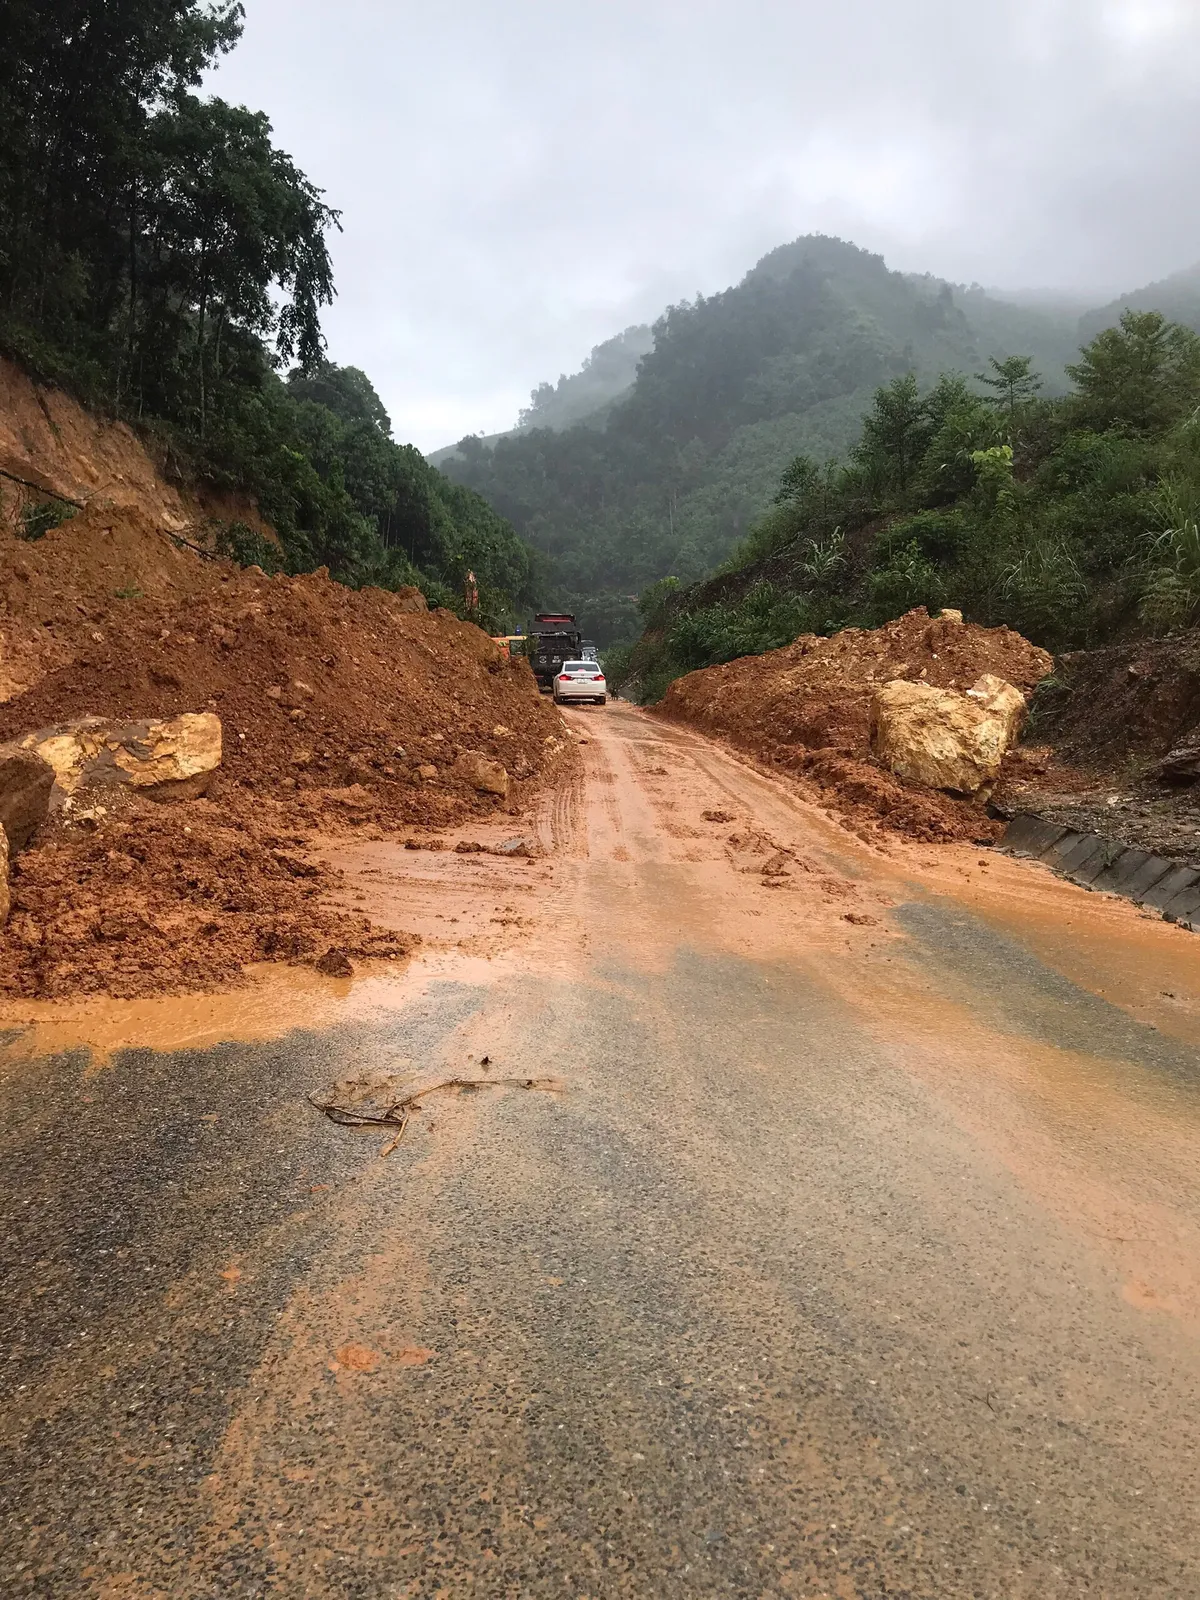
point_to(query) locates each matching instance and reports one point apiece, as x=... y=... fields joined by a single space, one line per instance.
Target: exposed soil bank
x=1104 y=721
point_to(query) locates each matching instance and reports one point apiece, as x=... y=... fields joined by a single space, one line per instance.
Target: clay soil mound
x=332 y=702
x=806 y=709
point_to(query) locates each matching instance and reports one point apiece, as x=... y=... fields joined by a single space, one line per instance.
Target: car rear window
x=580 y=666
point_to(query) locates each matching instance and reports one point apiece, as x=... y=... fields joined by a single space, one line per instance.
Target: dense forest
x=161 y=258
x=669 y=476
x=1073 y=518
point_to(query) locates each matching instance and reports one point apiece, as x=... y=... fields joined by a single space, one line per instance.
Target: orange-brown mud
x=343 y=714
x=806 y=710
x=666 y=847
x=181 y=896
x=785 y=881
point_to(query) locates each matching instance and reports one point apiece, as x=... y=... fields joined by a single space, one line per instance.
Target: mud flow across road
x=775 y=1214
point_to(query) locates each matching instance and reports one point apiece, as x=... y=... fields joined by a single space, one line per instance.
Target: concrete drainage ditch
x=1158 y=883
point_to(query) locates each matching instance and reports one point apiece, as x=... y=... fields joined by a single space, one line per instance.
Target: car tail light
x=599 y=678
x=564 y=677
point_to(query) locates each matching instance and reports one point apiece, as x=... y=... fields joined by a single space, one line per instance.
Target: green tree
x=1013 y=382
x=894 y=433
x=1142 y=375
x=234 y=225
x=346 y=391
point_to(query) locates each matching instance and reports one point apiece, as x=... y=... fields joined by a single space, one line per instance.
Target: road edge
x=1094 y=861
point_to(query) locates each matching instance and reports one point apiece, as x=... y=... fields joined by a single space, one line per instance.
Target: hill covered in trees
x=674 y=472
x=162 y=259
x=1073 y=518
x=587 y=395
x=1177 y=297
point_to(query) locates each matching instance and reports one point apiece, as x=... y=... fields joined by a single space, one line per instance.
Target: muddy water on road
x=859 y=1255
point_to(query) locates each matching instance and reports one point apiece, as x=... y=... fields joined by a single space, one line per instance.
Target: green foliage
x=38 y=518
x=654 y=602
x=906 y=580
x=677 y=472
x=1141 y=376
x=895 y=434
x=248 y=547
x=161 y=256
x=616 y=662
x=1013 y=382
x=1172 y=593
x=824 y=560
x=765 y=618
x=1074 y=520
x=346 y=391
x=608 y=373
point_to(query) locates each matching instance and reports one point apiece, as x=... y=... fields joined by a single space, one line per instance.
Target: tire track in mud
x=560 y=829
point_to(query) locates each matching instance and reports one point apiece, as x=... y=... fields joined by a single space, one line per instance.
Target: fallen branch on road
x=396 y=1114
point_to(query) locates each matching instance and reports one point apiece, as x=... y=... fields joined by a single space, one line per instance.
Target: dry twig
x=397 y=1114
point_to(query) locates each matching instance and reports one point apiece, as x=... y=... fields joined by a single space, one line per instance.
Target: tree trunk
x=200 y=333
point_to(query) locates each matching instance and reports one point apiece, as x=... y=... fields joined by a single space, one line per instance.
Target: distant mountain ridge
x=586 y=396
x=607 y=374
x=1177 y=297
x=669 y=472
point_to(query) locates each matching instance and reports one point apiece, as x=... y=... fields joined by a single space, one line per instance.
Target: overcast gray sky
x=520 y=180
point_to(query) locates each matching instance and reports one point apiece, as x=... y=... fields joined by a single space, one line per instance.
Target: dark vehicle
x=554 y=637
x=588 y=651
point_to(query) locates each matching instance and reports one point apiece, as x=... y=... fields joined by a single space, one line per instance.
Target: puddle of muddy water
x=274 y=1001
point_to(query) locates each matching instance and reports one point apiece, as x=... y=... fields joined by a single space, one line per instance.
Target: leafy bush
x=654 y=603
x=248 y=547
x=765 y=618
x=906 y=581
x=38 y=519
x=1172 y=596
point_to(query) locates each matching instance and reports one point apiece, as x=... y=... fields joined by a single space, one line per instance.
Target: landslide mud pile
x=108 y=563
x=806 y=709
x=340 y=711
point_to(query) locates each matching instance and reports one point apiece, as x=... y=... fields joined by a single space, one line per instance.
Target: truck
x=554 y=637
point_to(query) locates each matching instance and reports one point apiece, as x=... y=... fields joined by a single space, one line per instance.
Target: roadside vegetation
x=1074 y=519
x=163 y=260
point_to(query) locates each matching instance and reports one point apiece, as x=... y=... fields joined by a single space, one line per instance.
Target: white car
x=580 y=680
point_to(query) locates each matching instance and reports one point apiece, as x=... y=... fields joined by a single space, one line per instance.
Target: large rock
x=167 y=759
x=482 y=773
x=1182 y=764
x=942 y=738
x=26 y=780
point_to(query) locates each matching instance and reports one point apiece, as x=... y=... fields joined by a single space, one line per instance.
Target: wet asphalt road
x=744 y=1311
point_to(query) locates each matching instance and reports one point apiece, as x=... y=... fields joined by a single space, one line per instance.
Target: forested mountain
x=1075 y=518
x=586 y=396
x=1177 y=297
x=736 y=385
x=162 y=258
x=607 y=375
